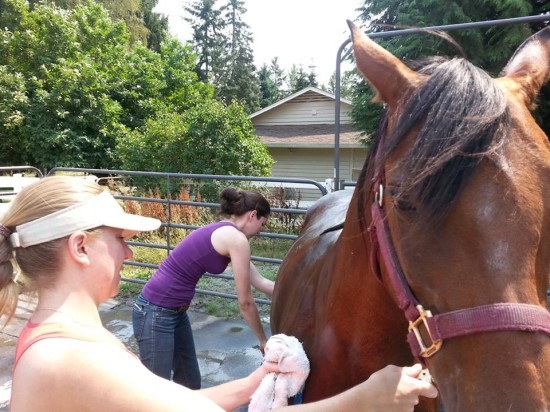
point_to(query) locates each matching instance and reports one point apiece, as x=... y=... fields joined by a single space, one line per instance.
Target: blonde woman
x=68 y=238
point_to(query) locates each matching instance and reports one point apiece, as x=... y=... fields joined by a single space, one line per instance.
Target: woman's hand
x=396 y=389
x=262 y=346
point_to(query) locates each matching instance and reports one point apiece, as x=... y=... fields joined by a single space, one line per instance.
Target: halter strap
x=426 y=331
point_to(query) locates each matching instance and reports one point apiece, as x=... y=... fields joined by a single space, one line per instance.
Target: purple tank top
x=173 y=284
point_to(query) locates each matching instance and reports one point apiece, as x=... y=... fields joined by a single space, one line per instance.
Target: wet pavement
x=227 y=349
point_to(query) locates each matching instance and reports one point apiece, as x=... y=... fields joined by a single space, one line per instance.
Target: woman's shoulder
x=224 y=226
x=58 y=367
x=222 y=223
x=228 y=237
x=56 y=363
x=213 y=227
x=60 y=350
x=228 y=229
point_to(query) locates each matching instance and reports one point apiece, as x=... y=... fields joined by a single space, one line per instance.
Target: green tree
x=14 y=104
x=488 y=48
x=150 y=84
x=209 y=138
x=127 y=11
x=53 y=62
x=11 y=14
x=208 y=40
x=348 y=82
x=156 y=24
x=73 y=93
x=269 y=92
x=298 y=79
x=272 y=80
x=312 y=76
x=237 y=80
x=70 y=86
x=278 y=76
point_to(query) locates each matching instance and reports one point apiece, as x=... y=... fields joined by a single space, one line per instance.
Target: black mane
x=462 y=114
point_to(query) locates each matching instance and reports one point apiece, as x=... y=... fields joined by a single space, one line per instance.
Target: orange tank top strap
x=34 y=332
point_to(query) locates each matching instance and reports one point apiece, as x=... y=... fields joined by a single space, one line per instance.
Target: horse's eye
x=404 y=205
x=399 y=200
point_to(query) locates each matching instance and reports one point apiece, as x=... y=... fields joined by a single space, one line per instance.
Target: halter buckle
x=426 y=350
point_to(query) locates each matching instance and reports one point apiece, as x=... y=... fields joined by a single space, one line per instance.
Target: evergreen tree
x=236 y=79
x=278 y=76
x=298 y=79
x=156 y=23
x=312 y=76
x=129 y=11
x=142 y=24
x=348 y=82
x=208 y=40
x=268 y=88
x=272 y=80
x=73 y=93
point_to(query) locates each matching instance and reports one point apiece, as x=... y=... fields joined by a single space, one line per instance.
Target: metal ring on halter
x=381 y=195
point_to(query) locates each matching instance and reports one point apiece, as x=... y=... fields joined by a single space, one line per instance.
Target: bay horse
x=444 y=251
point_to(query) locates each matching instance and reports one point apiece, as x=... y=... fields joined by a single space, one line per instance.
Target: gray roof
x=315 y=135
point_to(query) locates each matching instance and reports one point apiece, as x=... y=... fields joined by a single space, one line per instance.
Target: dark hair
x=238 y=202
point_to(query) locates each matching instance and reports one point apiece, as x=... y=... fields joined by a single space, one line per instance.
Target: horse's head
x=465 y=173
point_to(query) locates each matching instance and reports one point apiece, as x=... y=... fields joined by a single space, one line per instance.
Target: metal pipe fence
x=172 y=186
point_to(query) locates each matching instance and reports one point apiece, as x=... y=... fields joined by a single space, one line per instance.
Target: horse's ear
x=529 y=67
x=385 y=72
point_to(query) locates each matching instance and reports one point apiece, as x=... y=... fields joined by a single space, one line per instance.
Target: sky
x=298 y=32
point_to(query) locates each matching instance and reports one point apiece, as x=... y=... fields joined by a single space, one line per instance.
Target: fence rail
x=172 y=186
x=13 y=178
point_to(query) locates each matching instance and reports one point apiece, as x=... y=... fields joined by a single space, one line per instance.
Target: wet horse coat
x=466 y=177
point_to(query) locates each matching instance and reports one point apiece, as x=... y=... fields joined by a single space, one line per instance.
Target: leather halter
x=426 y=331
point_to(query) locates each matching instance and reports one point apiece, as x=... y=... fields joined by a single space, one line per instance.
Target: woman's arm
x=239 y=252
x=231 y=395
x=392 y=389
x=66 y=374
x=259 y=282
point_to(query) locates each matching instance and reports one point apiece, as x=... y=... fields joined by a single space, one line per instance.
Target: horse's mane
x=463 y=115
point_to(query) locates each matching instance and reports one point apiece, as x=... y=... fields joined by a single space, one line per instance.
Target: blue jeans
x=166 y=344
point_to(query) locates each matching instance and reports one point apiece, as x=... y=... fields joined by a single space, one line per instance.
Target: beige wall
x=293 y=113
x=315 y=164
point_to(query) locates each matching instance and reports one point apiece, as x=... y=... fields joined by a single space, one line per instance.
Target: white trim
x=293 y=96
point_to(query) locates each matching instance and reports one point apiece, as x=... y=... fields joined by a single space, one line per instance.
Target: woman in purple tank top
x=161 y=324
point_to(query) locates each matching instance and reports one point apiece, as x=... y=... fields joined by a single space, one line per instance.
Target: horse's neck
x=353 y=278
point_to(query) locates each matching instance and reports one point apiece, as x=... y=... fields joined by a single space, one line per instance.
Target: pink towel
x=276 y=388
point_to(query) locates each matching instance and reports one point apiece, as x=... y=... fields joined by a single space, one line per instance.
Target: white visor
x=101 y=210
